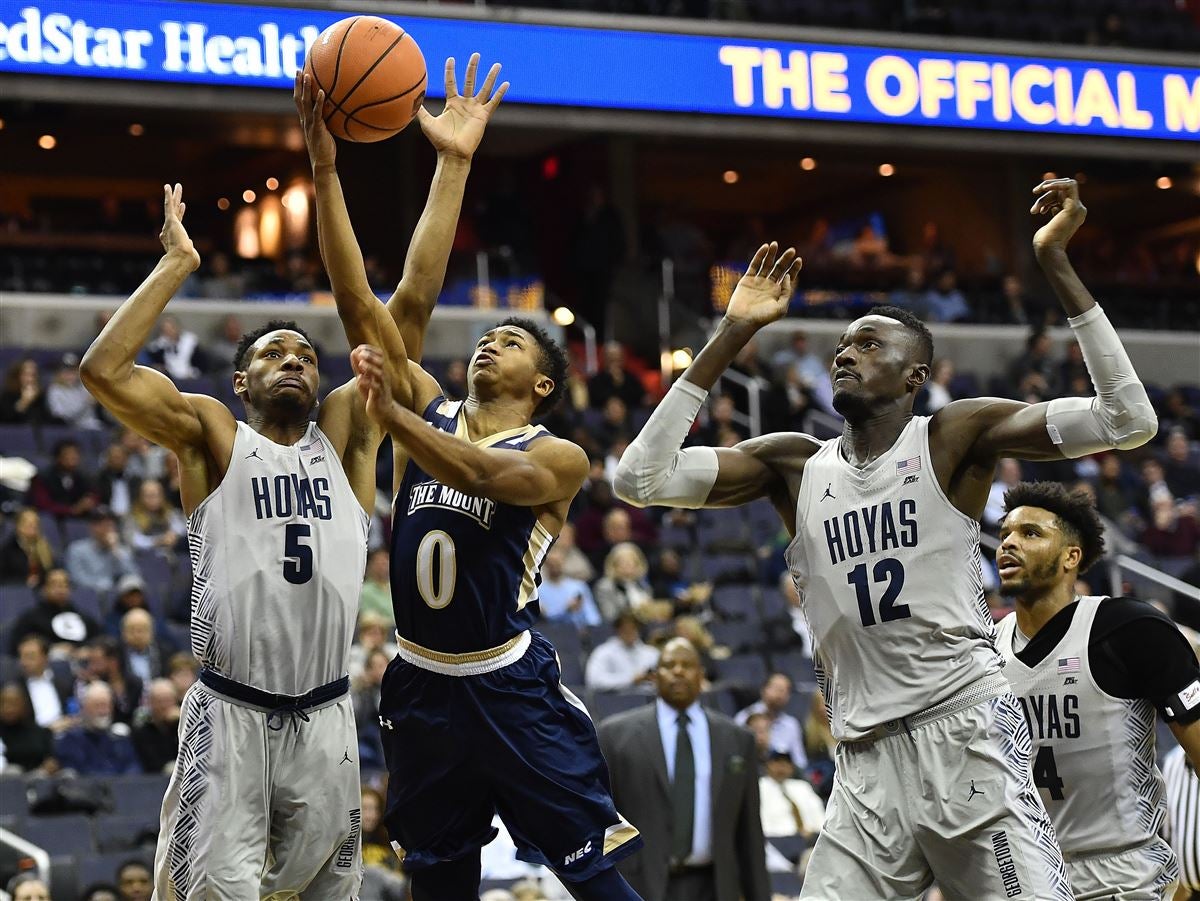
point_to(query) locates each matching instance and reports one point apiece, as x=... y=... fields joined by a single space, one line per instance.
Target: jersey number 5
x=889 y=570
x=436 y=550
x=297 y=557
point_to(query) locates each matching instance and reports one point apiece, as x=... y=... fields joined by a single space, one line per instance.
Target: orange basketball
x=373 y=76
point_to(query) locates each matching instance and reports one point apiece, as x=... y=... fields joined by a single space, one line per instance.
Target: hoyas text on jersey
x=871 y=529
x=435 y=494
x=1050 y=717
x=285 y=496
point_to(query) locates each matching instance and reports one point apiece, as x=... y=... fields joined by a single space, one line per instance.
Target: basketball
x=373 y=75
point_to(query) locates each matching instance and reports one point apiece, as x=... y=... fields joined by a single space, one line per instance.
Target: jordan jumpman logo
x=829 y=492
x=974 y=791
x=346 y=758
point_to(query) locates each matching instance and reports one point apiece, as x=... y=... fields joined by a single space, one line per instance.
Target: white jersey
x=889 y=574
x=1093 y=754
x=278 y=553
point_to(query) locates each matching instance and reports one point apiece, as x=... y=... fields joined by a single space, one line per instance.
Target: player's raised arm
x=142 y=398
x=1120 y=416
x=551 y=470
x=455 y=134
x=653 y=469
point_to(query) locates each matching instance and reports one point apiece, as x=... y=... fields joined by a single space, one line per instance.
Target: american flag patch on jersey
x=1068 y=664
x=911 y=465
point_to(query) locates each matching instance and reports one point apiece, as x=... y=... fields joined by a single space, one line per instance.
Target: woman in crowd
x=152 y=523
x=26 y=556
x=623 y=586
x=22 y=399
x=27 y=746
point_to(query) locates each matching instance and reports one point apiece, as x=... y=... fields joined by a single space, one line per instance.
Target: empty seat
x=117 y=832
x=103 y=867
x=18 y=441
x=16 y=599
x=69 y=833
x=603 y=704
x=720 y=568
x=790 y=846
x=747 y=670
x=13 y=797
x=735 y=601
x=139 y=795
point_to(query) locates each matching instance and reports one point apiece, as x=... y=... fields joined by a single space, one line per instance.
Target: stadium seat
x=69 y=833
x=19 y=441
x=736 y=601
x=16 y=599
x=798 y=667
x=718 y=568
x=74 y=529
x=139 y=795
x=790 y=846
x=603 y=704
x=747 y=670
x=564 y=637
x=115 y=832
x=103 y=867
x=593 y=636
x=721 y=700
x=52 y=532
x=13 y=797
x=87 y=600
x=736 y=635
x=788 y=884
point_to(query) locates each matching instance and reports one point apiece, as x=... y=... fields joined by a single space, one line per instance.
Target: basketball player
x=474 y=720
x=264 y=798
x=1090 y=672
x=933 y=777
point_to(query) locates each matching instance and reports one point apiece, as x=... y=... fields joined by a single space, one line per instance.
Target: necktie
x=683 y=794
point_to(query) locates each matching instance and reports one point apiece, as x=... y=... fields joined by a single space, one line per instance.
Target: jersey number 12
x=889 y=570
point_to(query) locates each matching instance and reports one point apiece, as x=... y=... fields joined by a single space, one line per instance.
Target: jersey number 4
x=437 y=569
x=889 y=570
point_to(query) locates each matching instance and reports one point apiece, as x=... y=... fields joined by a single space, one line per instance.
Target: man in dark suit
x=688 y=779
x=50 y=688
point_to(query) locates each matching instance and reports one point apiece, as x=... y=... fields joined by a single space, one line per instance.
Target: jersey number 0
x=437 y=548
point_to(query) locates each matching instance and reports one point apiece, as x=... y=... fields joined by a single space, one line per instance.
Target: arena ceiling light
x=47 y=142
x=887 y=170
x=272 y=183
x=562 y=316
x=808 y=164
x=136 y=129
x=730 y=177
x=1164 y=182
x=248 y=196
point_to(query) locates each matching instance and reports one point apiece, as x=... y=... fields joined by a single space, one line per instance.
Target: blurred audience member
x=1178 y=414
x=621 y=661
x=1016 y=304
x=146 y=460
x=1036 y=360
x=811 y=371
x=1008 y=473
x=938 y=387
x=455 y=386
x=22 y=398
x=589 y=526
x=624 y=588
x=1181 y=468
x=49 y=690
x=54 y=617
x=29 y=887
x=615 y=380
x=175 y=351
x=152 y=523
x=134 y=881
x=114 y=486
x=99 y=561
x=575 y=562
x=63 y=488
x=365 y=700
x=223 y=346
x=563 y=599
x=220 y=282
x=101 y=660
x=374 y=634
x=68 y=400
x=27 y=746
x=100 y=891
x=944 y=302
x=376 y=845
x=376 y=598
x=820 y=745
x=759 y=725
x=1114 y=497
x=156 y=738
x=182 y=670
x=26 y=556
x=98 y=746
x=789 y=805
x=1154 y=485
x=129 y=594
x=1172 y=530
x=146 y=655
x=786 y=731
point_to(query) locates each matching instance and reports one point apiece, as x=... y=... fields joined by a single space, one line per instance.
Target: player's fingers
x=497 y=97
x=167 y=198
x=424 y=116
x=757 y=260
x=319 y=107
x=451 y=83
x=469 y=81
x=769 y=260
x=779 y=270
x=485 y=89
x=178 y=193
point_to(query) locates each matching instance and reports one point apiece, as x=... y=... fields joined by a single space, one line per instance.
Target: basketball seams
x=337 y=61
x=371 y=68
x=416 y=84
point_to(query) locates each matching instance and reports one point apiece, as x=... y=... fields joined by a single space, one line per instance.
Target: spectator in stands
x=376 y=845
x=153 y=524
x=1008 y=473
x=1178 y=415
x=789 y=806
x=28 y=887
x=50 y=691
x=1181 y=469
x=146 y=655
x=22 y=398
x=1114 y=497
x=938 y=387
x=27 y=746
x=374 y=634
x=101 y=660
x=54 y=617
x=146 y=460
x=134 y=881
x=98 y=746
x=68 y=400
x=614 y=380
x=944 y=302
x=811 y=371
x=589 y=526
x=1154 y=485
x=819 y=745
x=114 y=486
x=63 y=489
x=223 y=346
x=786 y=731
x=664 y=761
x=454 y=386
x=1172 y=530
x=796 y=617
x=759 y=725
x=182 y=670
x=27 y=556
x=623 y=660
x=615 y=528
x=376 y=598
x=129 y=594
x=667 y=581
x=221 y=282
x=156 y=738
x=365 y=700
x=1016 y=307
x=176 y=351
x=1072 y=369
x=99 y=561
x=563 y=599
x=614 y=425
x=1035 y=360
x=100 y=891
x=912 y=295
x=624 y=588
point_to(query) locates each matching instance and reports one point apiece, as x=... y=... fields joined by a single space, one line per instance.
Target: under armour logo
x=346 y=757
x=254 y=454
x=829 y=493
x=908 y=480
x=317 y=459
x=974 y=791
x=386 y=724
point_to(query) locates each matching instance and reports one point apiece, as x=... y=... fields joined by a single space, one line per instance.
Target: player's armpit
x=987 y=428
x=1189 y=739
x=755 y=468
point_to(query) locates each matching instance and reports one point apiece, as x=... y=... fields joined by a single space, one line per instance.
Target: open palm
x=762 y=295
x=459 y=128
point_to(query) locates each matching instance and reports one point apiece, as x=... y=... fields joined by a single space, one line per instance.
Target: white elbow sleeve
x=1120 y=416
x=653 y=469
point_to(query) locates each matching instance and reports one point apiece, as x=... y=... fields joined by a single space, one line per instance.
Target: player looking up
x=933 y=777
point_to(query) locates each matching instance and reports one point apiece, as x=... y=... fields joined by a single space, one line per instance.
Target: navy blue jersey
x=465 y=570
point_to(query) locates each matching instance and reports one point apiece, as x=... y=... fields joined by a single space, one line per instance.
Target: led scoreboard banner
x=253 y=46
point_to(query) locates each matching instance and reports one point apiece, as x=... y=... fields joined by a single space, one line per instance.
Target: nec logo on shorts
x=577 y=855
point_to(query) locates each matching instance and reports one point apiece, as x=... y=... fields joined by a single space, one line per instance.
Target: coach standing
x=688 y=779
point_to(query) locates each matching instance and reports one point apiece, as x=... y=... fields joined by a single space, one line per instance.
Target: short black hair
x=915 y=326
x=554 y=362
x=1074 y=511
x=132 y=862
x=63 y=444
x=247 y=340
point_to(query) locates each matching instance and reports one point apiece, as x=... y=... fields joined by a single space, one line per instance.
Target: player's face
x=1033 y=553
x=281 y=372
x=679 y=675
x=873 y=361
x=506 y=360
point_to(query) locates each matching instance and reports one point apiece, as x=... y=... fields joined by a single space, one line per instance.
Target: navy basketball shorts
x=462 y=745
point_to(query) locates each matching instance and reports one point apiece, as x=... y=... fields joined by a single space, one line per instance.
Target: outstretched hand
x=459 y=129
x=763 y=293
x=174 y=236
x=322 y=151
x=374 y=382
x=1058 y=198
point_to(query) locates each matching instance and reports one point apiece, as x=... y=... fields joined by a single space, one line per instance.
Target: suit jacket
x=638 y=767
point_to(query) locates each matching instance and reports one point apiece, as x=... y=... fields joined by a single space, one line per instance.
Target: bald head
x=96 y=705
x=679 y=675
x=137 y=629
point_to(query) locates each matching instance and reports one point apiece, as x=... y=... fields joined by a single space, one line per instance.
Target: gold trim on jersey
x=619 y=834
x=523 y=431
x=539 y=545
x=458 y=659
